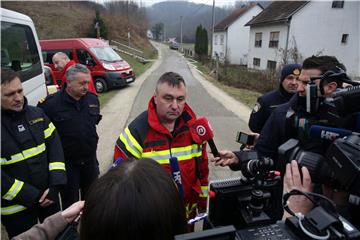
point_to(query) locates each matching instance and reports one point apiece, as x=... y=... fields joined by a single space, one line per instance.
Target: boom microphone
x=202 y=131
x=328 y=133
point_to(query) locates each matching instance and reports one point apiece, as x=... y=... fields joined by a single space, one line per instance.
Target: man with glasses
x=269 y=101
x=163 y=134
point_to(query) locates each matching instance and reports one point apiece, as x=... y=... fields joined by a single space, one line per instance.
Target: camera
x=249 y=200
x=331 y=110
x=339 y=168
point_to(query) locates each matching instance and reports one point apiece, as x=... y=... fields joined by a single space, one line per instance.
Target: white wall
x=264 y=52
x=238 y=37
x=319 y=28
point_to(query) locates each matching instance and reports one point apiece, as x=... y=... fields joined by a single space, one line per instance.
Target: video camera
x=249 y=200
x=320 y=223
x=342 y=102
x=339 y=168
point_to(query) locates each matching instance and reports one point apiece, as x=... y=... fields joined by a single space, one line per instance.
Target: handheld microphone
x=176 y=174
x=328 y=133
x=201 y=131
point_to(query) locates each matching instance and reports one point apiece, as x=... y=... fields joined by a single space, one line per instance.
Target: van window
x=106 y=54
x=19 y=51
x=48 y=54
x=84 y=57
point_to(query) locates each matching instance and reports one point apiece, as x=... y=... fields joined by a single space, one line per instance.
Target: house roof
x=277 y=12
x=226 y=22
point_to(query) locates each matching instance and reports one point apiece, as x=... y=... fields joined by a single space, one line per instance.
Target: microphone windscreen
x=201 y=130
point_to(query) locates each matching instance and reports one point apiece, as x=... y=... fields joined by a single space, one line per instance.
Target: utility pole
x=181 y=34
x=212 y=29
x=127 y=15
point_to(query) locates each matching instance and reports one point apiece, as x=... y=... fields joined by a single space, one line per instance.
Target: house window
x=258 y=37
x=344 y=38
x=256 y=62
x=271 y=65
x=221 y=39
x=221 y=54
x=274 y=39
x=216 y=39
x=337 y=4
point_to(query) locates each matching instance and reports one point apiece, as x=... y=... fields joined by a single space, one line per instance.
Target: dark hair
x=323 y=63
x=171 y=78
x=7 y=75
x=135 y=200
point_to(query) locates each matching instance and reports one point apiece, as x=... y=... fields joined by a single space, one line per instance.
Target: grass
x=138 y=67
x=248 y=97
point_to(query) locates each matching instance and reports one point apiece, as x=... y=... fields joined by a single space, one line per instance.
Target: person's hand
x=73 y=211
x=292 y=180
x=44 y=202
x=226 y=158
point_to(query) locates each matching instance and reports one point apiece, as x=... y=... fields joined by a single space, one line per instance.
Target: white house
x=231 y=37
x=294 y=30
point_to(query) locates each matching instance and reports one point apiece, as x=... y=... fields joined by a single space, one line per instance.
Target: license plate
x=129 y=80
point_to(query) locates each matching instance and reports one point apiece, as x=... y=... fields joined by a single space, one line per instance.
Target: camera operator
x=290 y=120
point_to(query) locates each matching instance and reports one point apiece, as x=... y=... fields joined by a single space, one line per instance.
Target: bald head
x=60 y=59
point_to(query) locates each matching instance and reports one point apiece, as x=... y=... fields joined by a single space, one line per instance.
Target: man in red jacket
x=163 y=134
x=62 y=63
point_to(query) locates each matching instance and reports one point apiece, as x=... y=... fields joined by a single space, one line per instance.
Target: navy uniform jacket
x=264 y=107
x=32 y=159
x=76 y=123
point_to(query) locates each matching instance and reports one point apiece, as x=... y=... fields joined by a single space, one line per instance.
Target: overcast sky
x=218 y=3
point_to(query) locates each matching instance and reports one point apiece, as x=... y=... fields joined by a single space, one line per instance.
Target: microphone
x=328 y=133
x=201 y=131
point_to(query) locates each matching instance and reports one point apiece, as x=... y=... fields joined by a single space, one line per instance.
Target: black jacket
x=264 y=107
x=76 y=123
x=32 y=158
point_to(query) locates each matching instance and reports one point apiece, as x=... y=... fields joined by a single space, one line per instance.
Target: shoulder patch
x=256 y=108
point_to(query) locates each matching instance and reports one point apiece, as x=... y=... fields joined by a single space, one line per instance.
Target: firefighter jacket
x=32 y=158
x=147 y=137
x=76 y=123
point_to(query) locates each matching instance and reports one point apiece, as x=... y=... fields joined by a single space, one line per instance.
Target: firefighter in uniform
x=269 y=101
x=162 y=133
x=32 y=160
x=75 y=112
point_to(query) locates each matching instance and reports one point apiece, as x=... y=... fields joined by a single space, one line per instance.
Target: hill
x=193 y=14
x=68 y=19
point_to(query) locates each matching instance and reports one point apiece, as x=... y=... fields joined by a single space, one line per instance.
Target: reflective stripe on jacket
x=32 y=159
x=147 y=137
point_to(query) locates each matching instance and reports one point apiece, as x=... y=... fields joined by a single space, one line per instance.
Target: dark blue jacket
x=76 y=124
x=264 y=107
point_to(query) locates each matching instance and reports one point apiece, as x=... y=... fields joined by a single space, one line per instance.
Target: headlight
x=108 y=66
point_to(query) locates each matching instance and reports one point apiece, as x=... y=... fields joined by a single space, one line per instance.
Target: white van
x=20 y=51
